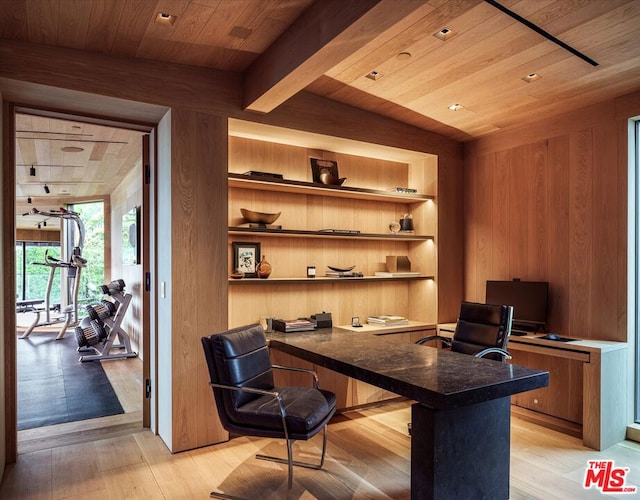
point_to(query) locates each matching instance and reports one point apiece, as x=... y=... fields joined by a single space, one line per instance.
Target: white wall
x=163 y=266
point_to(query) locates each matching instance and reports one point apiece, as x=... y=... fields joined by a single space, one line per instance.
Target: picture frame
x=246 y=257
x=319 y=166
x=131 y=237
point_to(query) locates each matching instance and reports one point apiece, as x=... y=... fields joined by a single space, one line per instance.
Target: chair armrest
x=489 y=350
x=444 y=340
x=275 y=394
x=316 y=382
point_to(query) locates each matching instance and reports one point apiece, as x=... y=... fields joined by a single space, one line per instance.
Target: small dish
x=237 y=276
x=341 y=269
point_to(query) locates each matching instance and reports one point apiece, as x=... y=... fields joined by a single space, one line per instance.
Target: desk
x=604 y=365
x=460 y=422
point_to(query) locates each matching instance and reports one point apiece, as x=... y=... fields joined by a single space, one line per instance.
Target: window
x=32 y=275
x=92 y=217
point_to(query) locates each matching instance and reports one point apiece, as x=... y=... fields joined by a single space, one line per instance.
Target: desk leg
x=461 y=453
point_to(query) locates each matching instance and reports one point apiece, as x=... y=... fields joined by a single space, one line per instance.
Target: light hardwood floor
x=368 y=457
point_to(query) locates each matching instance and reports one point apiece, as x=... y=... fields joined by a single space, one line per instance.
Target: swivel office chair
x=248 y=402
x=482 y=330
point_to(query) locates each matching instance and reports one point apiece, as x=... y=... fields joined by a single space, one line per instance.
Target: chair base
x=289 y=461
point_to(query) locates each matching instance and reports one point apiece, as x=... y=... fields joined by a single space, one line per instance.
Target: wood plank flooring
x=368 y=458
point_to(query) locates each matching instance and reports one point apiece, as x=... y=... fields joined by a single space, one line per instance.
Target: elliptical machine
x=97 y=333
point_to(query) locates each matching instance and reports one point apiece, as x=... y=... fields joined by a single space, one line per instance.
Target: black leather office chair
x=249 y=404
x=482 y=330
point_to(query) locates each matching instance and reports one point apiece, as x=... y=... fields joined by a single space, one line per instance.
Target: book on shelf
x=388 y=320
x=293 y=325
x=343 y=274
x=405 y=190
x=401 y=274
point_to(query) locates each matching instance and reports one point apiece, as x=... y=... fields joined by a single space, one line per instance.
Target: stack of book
x=340 y=274
x=293 y=325
x=387 y=320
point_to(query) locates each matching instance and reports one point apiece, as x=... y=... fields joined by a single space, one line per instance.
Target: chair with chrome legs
x=248 y=402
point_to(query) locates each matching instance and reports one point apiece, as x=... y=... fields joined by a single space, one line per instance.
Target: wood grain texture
x=289 y=257
x=199 y=219
x=368 y=456
x=7 y=353
x=561 y=218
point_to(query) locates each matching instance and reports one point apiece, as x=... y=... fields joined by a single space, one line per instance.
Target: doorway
x=72 y=163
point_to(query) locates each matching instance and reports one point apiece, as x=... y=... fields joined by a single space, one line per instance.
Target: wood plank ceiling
x=331 y=47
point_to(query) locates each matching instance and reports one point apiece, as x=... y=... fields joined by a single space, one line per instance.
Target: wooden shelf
x=320 y=279
x=300 y=187
x=298 y=233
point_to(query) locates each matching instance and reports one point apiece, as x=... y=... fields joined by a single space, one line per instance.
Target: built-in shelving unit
x=330 y=226
x=324 y=279
x=293 y=186
x=299 y=233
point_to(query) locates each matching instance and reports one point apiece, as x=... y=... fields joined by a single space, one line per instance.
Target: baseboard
x=633 y=432
x=557 y=424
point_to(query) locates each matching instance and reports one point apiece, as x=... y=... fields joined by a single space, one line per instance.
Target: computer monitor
x=529 y=300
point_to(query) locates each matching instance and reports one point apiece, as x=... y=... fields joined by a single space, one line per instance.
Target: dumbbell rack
x=113 y=323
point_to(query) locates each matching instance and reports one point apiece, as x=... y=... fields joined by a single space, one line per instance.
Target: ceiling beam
x=325 y=34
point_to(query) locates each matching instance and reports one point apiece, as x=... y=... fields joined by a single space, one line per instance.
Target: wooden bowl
x=259 y=217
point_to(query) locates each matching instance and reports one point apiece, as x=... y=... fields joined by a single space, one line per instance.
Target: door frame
x=10 y=109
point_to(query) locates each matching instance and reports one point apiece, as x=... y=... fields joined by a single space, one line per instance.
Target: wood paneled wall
x=199 y=270
x=201 y=102
x=549 y=202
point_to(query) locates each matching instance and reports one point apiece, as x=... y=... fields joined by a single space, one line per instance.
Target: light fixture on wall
x=29 y=200
x=32 y=171
x=46 y=189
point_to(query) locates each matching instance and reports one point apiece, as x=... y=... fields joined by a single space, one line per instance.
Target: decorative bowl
x=237 y=276
x=341 y=269
x=330 y=180
x=259 y=217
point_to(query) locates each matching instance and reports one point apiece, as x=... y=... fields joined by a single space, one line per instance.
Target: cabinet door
x=562 y=398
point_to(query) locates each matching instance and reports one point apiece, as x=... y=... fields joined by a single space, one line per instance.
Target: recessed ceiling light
x=374 y=75
x=403 y=56
x=455 y=107
x=240 y=32
x=165 y=18
x=444 y=34
x=532 y=77
x=72 y=149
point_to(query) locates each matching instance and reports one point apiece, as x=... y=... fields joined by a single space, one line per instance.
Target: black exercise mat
x=54 y=387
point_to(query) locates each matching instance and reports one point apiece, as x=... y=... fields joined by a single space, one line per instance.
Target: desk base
x=461 y=453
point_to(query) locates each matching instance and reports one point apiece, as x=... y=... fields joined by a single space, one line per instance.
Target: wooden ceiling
x=330 y=47
x=76 y=161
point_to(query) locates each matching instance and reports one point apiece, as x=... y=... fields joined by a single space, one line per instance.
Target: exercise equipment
x=69 y=312
x=73 y=270
x=98 y=332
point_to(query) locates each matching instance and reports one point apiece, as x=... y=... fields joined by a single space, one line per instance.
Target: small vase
x=263 y=268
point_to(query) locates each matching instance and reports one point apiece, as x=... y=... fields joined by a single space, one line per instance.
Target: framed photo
x=131 y=237
x=246 y=256
x=319 y=166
